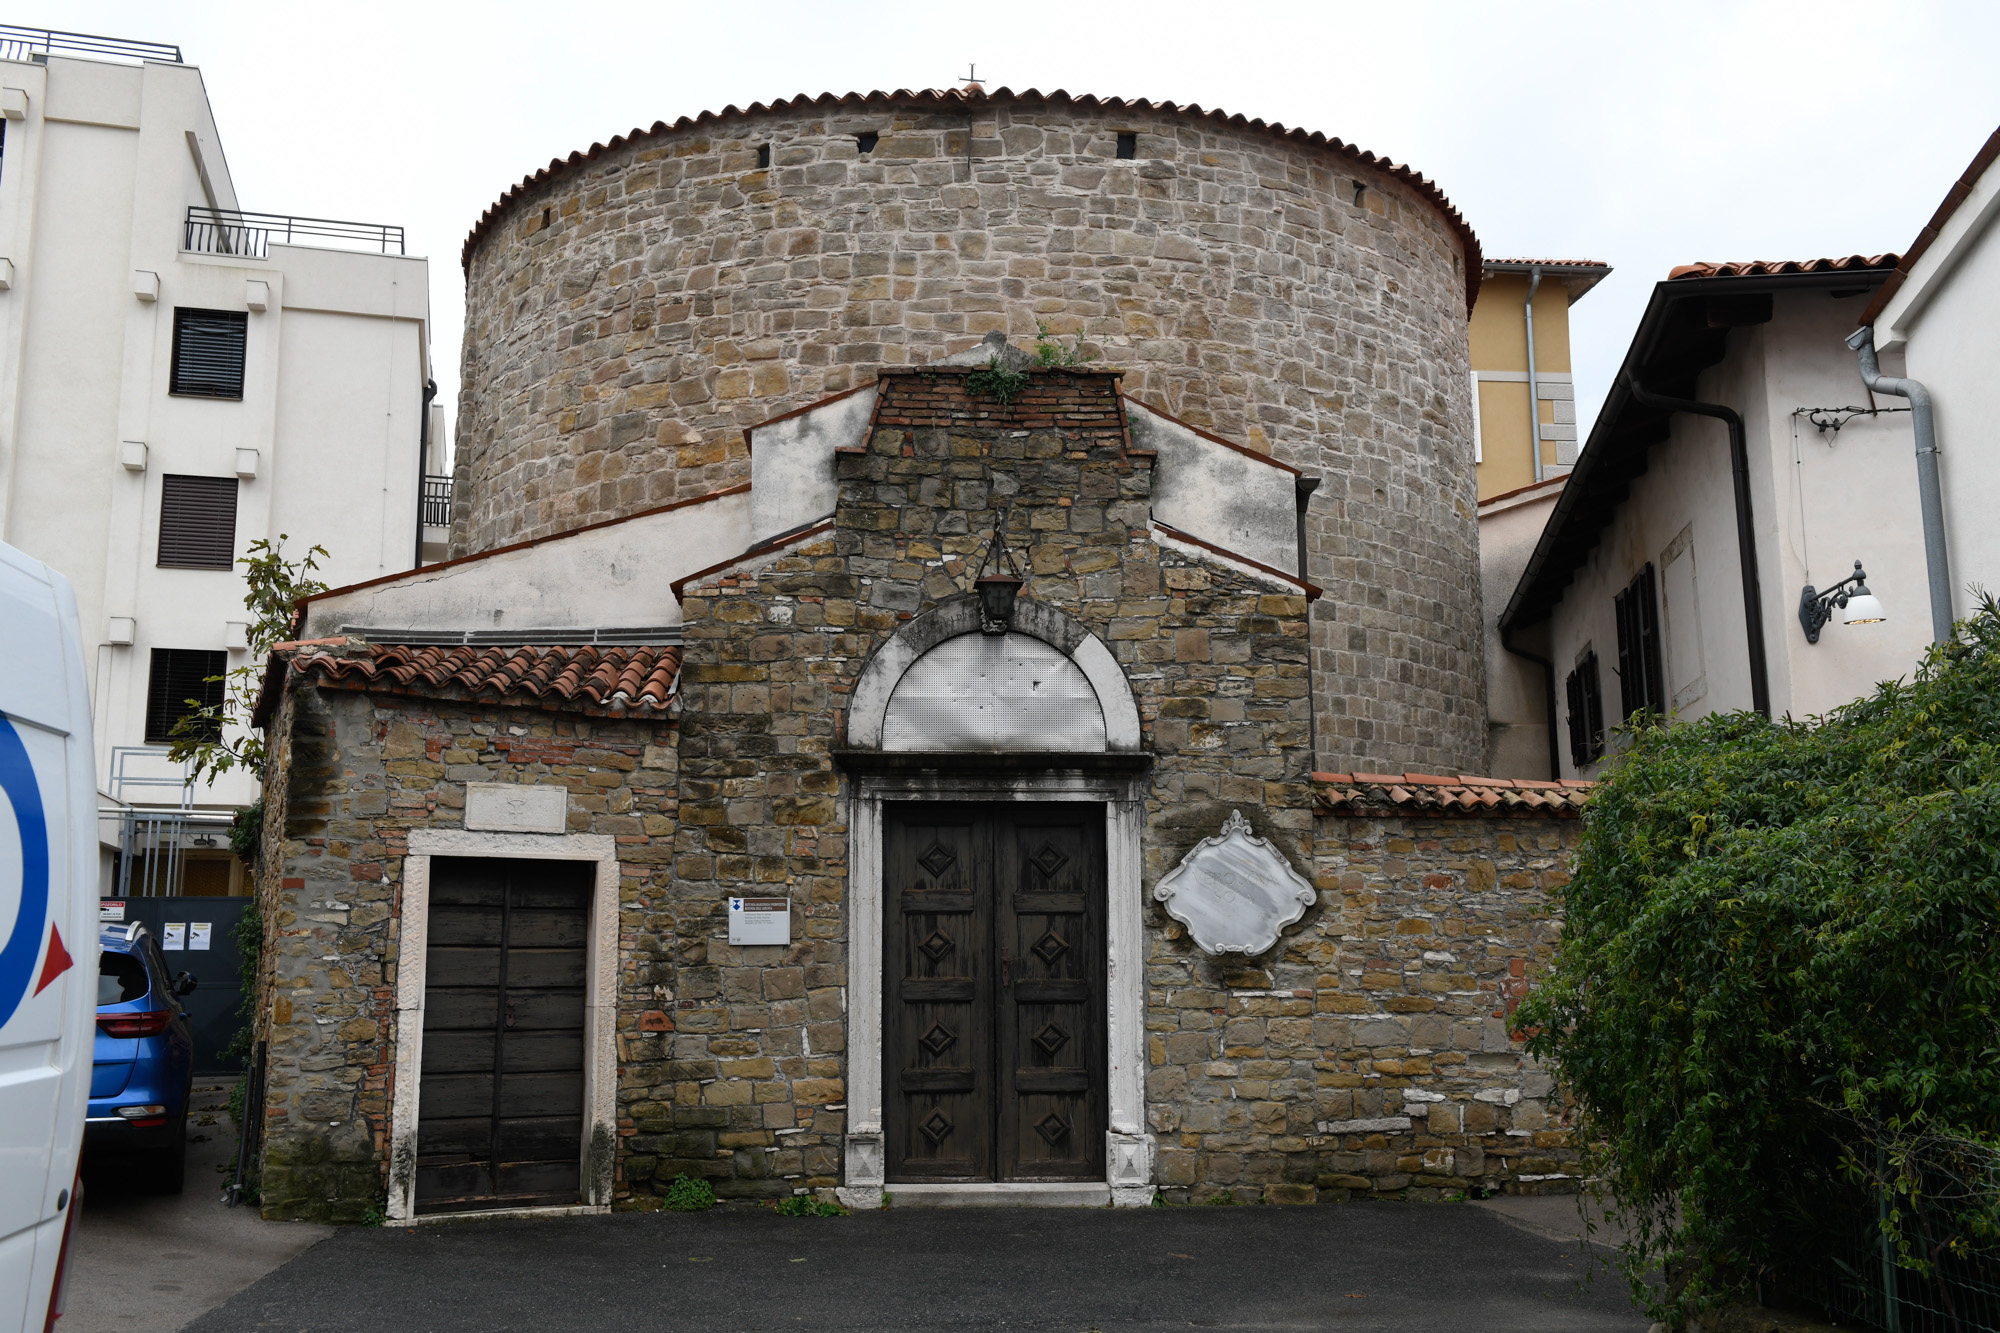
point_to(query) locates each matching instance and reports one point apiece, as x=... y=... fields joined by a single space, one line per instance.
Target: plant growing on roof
x=1777 y=993
x=213 y=738
x=997 y=380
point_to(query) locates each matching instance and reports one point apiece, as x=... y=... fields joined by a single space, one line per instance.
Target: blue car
x=144 y=1059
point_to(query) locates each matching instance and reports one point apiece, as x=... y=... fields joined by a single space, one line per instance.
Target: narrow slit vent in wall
x=865 y=143
x=763 y=156
x=1128 y=145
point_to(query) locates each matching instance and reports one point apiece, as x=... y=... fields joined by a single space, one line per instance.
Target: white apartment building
x=178 y=378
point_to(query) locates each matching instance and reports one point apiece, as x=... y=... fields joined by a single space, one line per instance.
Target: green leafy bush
x=997 y=380
x=1778 y=961
x=688 y=1195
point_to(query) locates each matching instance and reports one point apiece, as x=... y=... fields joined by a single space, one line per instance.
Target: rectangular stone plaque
x=504 y=807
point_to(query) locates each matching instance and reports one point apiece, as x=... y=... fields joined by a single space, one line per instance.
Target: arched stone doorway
x=995 y=1018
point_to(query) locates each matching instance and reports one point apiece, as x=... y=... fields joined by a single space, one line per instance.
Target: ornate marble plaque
x=1234 y=892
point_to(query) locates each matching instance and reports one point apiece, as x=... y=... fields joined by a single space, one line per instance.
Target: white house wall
x=1231 y=498
x=1517 y=737
x=617 y=574
x=1952 y=345
x=791 y=463
x=94 y=189
x=1834 y=501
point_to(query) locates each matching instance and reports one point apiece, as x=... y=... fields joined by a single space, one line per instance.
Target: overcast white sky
x=1645 y=135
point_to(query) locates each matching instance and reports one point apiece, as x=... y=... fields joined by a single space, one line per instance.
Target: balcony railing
x=437 y=501
x=230 y=231
x=18 y=43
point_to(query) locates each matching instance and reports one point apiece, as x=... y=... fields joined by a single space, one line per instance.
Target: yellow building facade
x=1508 y=367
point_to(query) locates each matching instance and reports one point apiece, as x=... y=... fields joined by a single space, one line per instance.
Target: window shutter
x=197 y=522
x=208 y=352
x=1579 y=741
x=178 y=675
x=1593 y=703
x=1631 y=679
x=1646 y=590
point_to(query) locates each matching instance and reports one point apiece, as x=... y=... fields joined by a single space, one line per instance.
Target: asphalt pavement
x=148 y=1263
x=1388 y=1266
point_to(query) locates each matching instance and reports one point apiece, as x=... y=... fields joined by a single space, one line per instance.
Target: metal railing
x=1852 y=1276
x=18 y=43
x=151 y=843
x=122 y=780
x=231 y=231
x=437 y=501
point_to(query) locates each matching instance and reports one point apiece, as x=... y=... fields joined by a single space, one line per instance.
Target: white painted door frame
x=1128 y=1147
x=600 y=1016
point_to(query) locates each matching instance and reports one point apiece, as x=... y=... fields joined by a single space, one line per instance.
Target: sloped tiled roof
x=1987 y=155
x=954 y=99
x=1433 y=794
x=596 y=680
x=1767 y=268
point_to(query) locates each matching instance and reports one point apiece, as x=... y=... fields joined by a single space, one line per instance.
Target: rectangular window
x=181 y=675
x=1128 y=145
x=208 y=353
x=763 y=156
x=197 y=522
x=1641 y=681
x=1586 y=713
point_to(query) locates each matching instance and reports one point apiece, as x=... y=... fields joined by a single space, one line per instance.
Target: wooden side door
x=500 y=1105
x=1049 y=907
x=937 y=1030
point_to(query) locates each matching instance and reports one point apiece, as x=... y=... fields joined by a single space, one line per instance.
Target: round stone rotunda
x=632 y=309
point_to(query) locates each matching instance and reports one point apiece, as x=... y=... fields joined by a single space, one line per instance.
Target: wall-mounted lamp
x=1857 y=605
x=998 y=589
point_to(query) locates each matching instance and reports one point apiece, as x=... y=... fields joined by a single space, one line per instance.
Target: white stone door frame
x=600 y=1015
x=1128 y=1153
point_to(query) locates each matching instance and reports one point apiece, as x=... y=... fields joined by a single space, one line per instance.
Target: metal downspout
x=1549 y=693
x=423 y=465
x=1534 y=397
x=1937 y=560
x=1746 y=534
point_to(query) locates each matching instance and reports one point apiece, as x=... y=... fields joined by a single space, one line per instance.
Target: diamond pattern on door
x=937 y=860
x=936 y=945
x=938 y=1040
x=1048 y=860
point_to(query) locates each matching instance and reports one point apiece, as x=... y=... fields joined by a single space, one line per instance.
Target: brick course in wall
x=630 y=313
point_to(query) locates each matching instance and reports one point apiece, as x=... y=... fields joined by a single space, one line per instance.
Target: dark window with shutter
x=180 y=675
x=197 y=522
x=1586 y=713
x=208 y=353
x=1641 y=682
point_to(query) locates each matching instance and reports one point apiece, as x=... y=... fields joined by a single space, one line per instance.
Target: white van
x=48 y=933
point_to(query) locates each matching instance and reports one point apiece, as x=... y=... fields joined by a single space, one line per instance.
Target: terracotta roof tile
x=1431 y=794
x=956 y=100
x=602 y=681
x=1765 y=268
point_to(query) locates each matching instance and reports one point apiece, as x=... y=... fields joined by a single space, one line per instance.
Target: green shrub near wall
x=1781 y=950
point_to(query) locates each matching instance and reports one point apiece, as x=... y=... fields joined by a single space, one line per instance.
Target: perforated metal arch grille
x=197 y=522
x=208 y=353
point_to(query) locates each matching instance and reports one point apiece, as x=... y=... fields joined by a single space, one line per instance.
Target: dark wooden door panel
x=939 y=1122
x=500 y=1107
x=1052 y=1110
x=993 y=1022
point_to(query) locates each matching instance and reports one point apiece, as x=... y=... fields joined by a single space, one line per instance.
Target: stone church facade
x=923 y=805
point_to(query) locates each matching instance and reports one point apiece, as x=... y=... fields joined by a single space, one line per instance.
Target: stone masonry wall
x=1369 y=1054
x=353 y=775
x=627 y=319
x=1216 y=659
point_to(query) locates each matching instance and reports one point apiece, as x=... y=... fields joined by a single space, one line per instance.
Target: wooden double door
x=500 y=1105
x=994 y=992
